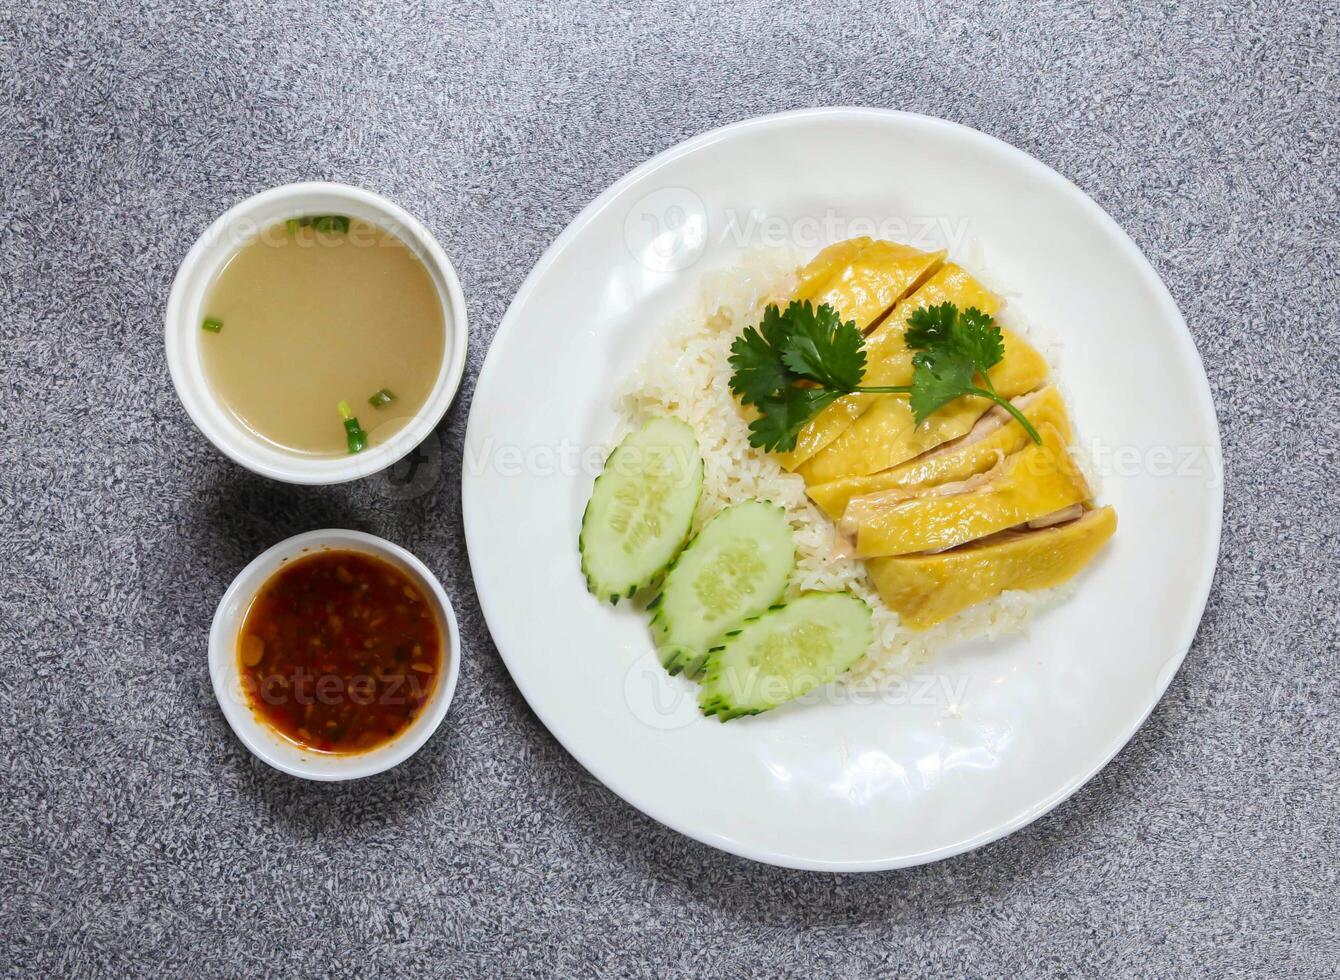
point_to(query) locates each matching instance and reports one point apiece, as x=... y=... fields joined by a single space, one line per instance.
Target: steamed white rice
x=686 y=374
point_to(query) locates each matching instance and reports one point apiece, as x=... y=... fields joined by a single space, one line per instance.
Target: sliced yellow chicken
x=995 y=436
x=825 y=265
x=928 y=589
x=887 y=435
x=887 y=359
x=950 y=284
x=1031 y=484
x=880 y=275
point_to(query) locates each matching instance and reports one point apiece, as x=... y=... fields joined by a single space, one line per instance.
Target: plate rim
x=1165 y=300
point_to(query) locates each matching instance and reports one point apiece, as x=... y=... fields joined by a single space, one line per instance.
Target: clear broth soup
x=308 y=315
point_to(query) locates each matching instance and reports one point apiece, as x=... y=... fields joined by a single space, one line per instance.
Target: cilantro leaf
x=943 y=329
x=980 y=339
x=782 y=416
x=759 y=371
x=822 y=348
x=937 y=379
x=930 y=327
x=952 y=348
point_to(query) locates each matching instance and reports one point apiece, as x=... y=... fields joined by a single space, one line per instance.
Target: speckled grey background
x=137 y=835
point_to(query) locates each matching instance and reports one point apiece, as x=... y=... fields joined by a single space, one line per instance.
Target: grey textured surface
x=135 y=831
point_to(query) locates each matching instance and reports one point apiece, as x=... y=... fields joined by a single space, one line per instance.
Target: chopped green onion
x=383 y=397
x=357 y=438
x=292 y=225
x=331 y=222
x=212 y=325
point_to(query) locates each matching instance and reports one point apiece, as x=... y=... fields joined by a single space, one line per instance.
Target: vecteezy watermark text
x=755 y=228
x=667 y=703
x=669 y=229
x=305 y=687
x=568 y=458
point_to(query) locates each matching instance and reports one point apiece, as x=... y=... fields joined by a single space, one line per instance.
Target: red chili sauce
x=340 y=651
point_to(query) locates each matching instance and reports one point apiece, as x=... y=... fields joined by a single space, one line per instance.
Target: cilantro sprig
x=797 y=362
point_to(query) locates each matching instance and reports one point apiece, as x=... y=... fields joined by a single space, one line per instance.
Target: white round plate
x=990 y=735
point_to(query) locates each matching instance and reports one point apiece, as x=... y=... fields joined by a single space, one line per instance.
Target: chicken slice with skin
x=863 y=285
x=887 y=434
x=927 y=589
x=1027 y=485
x=994 y=433
x=817 y=271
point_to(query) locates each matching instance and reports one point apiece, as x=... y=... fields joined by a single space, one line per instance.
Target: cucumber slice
x=641 y=508
x=786 y=652
x=734 y=569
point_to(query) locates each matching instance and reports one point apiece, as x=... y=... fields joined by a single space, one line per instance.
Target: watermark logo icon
x=666 y=230
x=417 y=473
x=656 y=699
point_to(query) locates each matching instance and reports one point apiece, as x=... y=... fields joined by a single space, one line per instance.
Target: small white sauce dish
x=185 y=312
x=225 y=672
